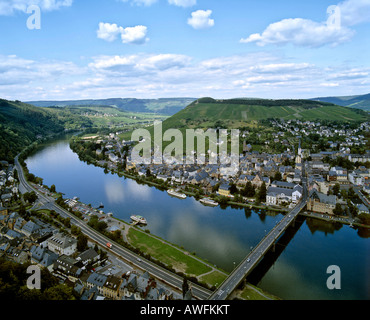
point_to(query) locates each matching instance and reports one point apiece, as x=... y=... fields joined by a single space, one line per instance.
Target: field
x=177 y=258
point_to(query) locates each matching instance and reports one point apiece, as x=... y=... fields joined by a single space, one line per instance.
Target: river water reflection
x=222 y=236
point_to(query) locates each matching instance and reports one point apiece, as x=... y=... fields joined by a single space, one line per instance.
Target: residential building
x=322 y=203
x=111 y=287
x=224 y=190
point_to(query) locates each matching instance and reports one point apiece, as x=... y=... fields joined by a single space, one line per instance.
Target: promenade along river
x=297 y=270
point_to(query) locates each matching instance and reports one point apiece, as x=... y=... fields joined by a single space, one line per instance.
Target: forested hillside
x=21 y=124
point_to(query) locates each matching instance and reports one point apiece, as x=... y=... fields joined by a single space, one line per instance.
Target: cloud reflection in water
x=117 y=191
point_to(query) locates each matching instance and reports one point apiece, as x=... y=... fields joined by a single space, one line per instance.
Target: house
x=29 y=228
x=6 y=197
x=258 y=180
x=322 y=203
x=11 y=234
x=358 y=157
x=111 y=287
x=65 y=267
x=362 y=209
x=90 y=256
x=355 y=178
x=143 y=284
x=224 y=190
x=43 y=256
x=96 y=280
x=19 y=223
x=20 y=256
x=62 y=244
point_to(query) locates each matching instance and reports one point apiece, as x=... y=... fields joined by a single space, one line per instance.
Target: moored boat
x=138 y=219
x=209 y=202
x=176 y=194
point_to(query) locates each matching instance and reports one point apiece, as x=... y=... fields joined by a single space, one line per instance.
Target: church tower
x=298 y=158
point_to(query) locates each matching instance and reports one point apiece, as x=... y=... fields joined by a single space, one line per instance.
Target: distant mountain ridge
x=166 y=106
x=359 y=101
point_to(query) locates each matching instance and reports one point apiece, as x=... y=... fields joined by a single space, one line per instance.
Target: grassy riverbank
x=188 y=264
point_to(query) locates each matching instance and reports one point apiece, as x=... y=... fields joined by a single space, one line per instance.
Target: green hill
x=165 y=106
x=359 y=102
x=21 y=124
x=235 y=113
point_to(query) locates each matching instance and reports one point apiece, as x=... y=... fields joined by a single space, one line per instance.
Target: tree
x=277 y=176
x=185 y=287
x=262 y=193
x=249 y=190
x=67 y=222
x=52 y=188
x=75 y=230
x=233 y=189
x=338 y=211
x=336 y=189
x=30 y=197
x=81 y=242
x=59 y=292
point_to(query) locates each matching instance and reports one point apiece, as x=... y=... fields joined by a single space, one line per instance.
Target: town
x=338 y=178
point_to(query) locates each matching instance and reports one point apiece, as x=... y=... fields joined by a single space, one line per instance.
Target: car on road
x=248 y=260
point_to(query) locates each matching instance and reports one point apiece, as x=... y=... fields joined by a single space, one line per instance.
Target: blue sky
x=193 y=48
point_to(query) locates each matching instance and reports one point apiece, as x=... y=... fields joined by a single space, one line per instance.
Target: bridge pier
x=273 y=247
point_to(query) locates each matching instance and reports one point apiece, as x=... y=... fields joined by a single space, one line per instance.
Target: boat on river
x=177 y=194
x=209 y=202
x=138 y=219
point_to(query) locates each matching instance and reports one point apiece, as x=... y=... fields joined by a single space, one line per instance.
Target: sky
x=96 y=49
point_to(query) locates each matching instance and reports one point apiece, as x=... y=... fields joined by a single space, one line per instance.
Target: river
x=298 y=269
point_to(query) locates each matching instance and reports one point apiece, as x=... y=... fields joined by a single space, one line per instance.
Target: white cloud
x=132 y=35
x=140 y=63
x=200 y=19
x=108 y=31
x=135 y=35
x=280 y=67
x=354 y=12
x=183 y=3
x=146 y=75
x=145 y=3
x=8 y=7
x=308 y=33
x=300 y=32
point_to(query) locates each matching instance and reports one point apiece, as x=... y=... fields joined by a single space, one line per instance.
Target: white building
x=62 y=244
x=280 y=195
